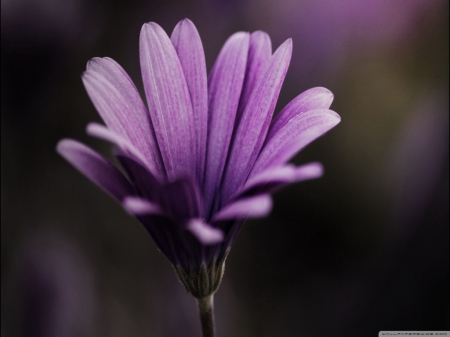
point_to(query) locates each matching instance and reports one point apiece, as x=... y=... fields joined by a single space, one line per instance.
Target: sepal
x=206 y=281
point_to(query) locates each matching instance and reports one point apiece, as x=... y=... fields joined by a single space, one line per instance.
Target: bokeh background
x=364 y=249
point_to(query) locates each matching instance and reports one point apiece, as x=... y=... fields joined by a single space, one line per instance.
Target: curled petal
x=102 y=132
x=95 y=167
x=273 y=178
x=252 y=207
x=312 y=99
x=293 y=136
x=120 y=106
x=205 y=233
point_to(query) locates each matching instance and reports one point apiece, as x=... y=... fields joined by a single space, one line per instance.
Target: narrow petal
x=102 y=132
x=188 y=45
x=252 y=207
x=308 y=171
x=146 y=184
x=252 y=129
x=313 y=99
x=259 y=53
x=224 y=86
x=96 y=168
x=273 y=178
x=181 y=200
x=205 y=233
x=278 y=174
x=169 y=101
x=119 y=104
x=293 y=136
x=140 y=206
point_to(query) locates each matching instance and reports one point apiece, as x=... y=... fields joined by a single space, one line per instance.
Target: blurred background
x=364 y=249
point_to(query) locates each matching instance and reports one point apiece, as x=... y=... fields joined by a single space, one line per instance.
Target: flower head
x=204 y=154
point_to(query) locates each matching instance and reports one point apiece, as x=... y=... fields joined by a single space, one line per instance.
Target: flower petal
x=308 y=171
x=140 y=206
x=312 y=99
x=118 y=102
x=205 y=233
x=145 y=183
x=293 y=136
x=188 y=45
x=95 y=167
x=252 y=129
x=168 y=100
x=102 y=132
x=181 y=200
x=278 y=174
x=273 y=178
x=252 y=207
x=259 y=53
x=224 y=86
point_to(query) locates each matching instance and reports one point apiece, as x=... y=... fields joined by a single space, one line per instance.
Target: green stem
x=206 y=310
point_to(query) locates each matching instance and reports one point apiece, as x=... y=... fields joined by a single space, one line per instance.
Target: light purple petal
x=312 y=99
x=205 y=233
x=139 y=206
x=224 y=86
x=102 y=132
x=293 y=136
x=278 y=174
x=252 y=207
x=252 y=129
x=120 y=106
x=169 y=101
x=308 y=171
x=95 y=167
x=181 y=200
x=146 y=184
x=273 y=178
x=259 y=53
x=189 y=47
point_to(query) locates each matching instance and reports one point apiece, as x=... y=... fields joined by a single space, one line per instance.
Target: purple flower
x=204 y=154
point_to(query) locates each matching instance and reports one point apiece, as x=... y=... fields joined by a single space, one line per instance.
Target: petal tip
x=336 y=116
x=187 y=21
x=289 y=42
x=62 y=145
x=139 y=206
x=312 y=170
x=91 y=63
x=260 y=34
x=205 y=233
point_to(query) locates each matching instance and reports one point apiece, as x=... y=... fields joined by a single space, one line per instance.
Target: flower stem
x=206 y=310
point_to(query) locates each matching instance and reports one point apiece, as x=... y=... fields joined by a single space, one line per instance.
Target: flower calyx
x=206 y=281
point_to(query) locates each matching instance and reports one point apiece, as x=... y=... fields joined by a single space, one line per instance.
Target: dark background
x=363 y=249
